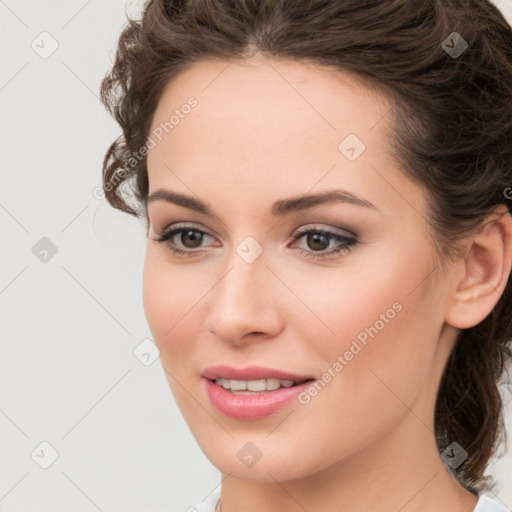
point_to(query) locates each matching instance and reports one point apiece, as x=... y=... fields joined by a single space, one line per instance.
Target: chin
x=269 y=463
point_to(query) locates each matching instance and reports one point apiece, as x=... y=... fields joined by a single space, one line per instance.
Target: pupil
x=195 y=239
x=315 y=237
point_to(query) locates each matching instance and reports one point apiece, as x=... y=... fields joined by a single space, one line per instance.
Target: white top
x=486 y=503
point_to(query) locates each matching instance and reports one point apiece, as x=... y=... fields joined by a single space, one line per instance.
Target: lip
x=250 y=373
x=251 y=407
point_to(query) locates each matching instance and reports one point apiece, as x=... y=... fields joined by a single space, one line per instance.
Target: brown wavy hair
x=452 y=133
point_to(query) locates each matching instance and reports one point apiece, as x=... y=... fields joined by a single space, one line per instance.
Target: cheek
x=171 y=302
x=384 y=341
x=157 y=297
x=169 y=297
x=383 y=333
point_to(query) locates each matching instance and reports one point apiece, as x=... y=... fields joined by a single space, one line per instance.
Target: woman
x=326 y=188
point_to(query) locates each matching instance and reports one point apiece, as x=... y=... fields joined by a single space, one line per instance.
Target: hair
x=451 y=129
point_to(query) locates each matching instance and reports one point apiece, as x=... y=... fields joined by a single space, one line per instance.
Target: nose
x=244 y=305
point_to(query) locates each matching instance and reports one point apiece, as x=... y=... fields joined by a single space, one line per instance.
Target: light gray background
x=70 y=324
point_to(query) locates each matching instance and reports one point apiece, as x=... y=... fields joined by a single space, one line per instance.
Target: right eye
x=189 y=237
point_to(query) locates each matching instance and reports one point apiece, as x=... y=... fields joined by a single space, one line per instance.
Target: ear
x=485 y=270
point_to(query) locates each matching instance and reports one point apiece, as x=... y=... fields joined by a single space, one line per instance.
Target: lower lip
x=252 y=407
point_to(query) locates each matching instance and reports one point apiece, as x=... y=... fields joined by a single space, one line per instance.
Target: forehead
x=281 y=103
x=268 y=90
x=265 y=124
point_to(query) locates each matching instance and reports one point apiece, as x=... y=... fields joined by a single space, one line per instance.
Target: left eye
x=191 y=238
x=323 y=237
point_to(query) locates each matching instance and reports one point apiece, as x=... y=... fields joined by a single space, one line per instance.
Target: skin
x=265 y=130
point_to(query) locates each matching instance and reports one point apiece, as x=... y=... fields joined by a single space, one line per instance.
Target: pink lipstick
x=253 y=392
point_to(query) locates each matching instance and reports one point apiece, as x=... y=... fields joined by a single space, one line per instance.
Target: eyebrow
x=280 y=208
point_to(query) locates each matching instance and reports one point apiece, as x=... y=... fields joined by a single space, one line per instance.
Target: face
x=352 y=300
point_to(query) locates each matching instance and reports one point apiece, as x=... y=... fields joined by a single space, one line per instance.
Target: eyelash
x=346 y=242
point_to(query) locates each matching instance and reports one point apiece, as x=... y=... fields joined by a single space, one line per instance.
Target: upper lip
x=250 y=373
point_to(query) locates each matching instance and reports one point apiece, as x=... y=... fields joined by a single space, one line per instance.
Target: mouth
x=252 y=392
x=257 y=399
x=257 y=386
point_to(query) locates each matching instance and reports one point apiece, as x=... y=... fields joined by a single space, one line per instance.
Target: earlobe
x=486 y=270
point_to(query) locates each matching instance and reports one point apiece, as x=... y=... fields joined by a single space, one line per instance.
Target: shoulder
x=208 y=504
x=488 y=503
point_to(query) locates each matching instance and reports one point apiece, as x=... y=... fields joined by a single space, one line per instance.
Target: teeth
x=254 y=385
